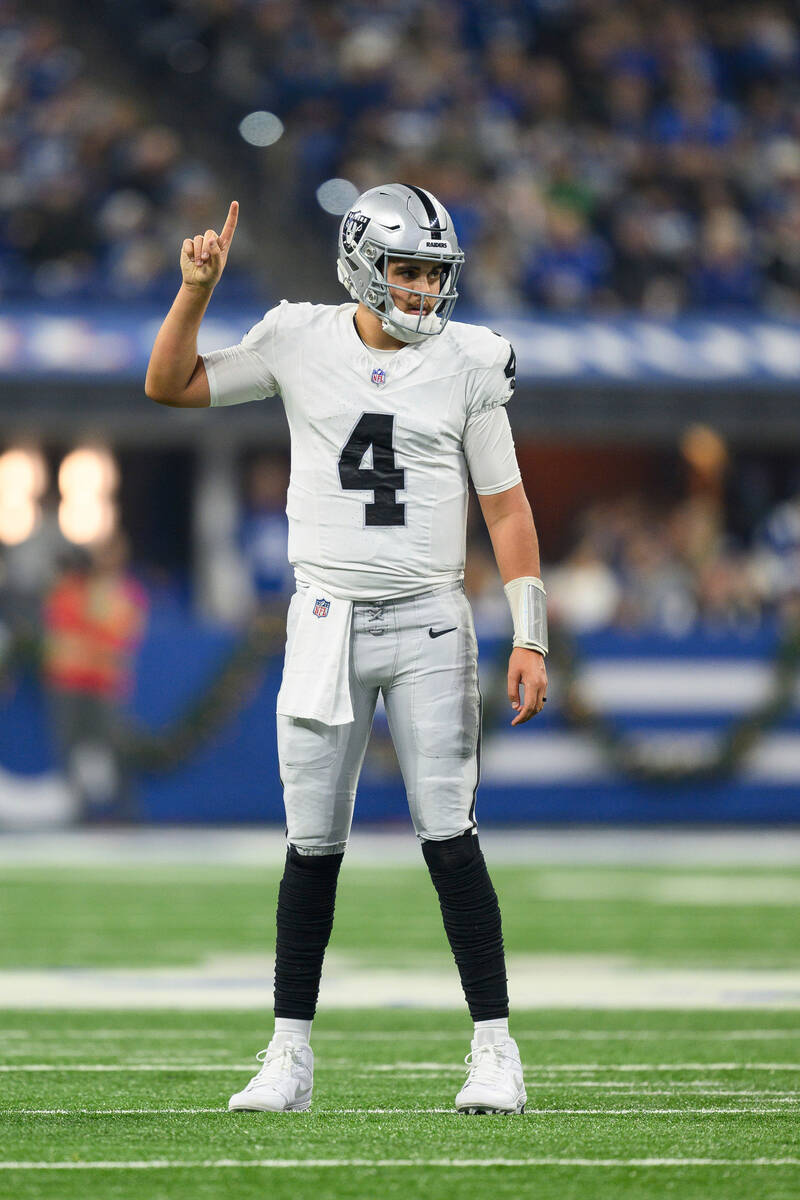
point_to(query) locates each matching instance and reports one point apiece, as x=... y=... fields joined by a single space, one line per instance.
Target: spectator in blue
x=264 y=530
x=727 y=276
x=569 y=269
x=694 y=116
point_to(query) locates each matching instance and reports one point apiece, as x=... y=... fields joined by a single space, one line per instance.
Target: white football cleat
x=283 y=1084
x=494 y=1082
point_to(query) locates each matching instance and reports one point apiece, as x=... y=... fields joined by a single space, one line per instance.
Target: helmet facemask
x=434 y=308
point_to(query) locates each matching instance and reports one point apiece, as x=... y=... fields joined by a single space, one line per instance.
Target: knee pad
x=452 y=853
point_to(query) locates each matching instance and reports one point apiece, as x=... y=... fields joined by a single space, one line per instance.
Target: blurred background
x=625 y=180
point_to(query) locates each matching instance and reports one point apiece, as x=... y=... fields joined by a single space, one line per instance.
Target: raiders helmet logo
x=353 y=230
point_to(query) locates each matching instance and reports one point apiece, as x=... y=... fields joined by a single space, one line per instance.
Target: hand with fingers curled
x=203 y=257
x=526 y=669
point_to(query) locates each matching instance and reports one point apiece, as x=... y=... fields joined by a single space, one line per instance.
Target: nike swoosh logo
x=440 y=632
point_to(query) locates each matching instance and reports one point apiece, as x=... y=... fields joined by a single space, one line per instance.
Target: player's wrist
x=527 y=600
x=198 y=289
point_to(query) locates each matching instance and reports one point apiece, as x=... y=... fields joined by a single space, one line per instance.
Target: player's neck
x=369 y=329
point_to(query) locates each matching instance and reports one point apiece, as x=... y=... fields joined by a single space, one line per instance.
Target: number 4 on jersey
x=384 y=478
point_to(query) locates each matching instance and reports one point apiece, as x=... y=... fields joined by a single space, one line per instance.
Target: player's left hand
x=526 y=667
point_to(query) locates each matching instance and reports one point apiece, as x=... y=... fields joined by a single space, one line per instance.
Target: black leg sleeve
x=471 y=917
x=306 y=901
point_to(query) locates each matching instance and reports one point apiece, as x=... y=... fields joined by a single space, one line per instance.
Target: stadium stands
x=95 y=194
x=595 y=157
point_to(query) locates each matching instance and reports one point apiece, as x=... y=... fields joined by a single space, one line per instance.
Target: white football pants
x=421 y=653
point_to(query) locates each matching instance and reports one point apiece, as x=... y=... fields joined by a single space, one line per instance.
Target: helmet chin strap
x=409 y=328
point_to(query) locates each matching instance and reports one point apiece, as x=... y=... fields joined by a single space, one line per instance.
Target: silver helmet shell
x=399 y=220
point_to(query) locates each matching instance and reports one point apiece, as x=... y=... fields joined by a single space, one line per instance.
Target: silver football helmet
x=399 y=220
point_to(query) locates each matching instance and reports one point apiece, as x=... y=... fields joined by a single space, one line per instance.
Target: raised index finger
x=229 y=228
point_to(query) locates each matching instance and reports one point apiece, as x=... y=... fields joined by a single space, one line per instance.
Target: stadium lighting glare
x=336 y=195
x=87 y=479
x=23 y=472
x=87 y=470
x=17 y=521
x=23 y=479
x=84 y=521
x=261 y=128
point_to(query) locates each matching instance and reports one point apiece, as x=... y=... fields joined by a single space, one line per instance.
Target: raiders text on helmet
x=399 y=220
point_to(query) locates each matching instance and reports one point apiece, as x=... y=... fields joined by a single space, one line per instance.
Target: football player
x=391 y=405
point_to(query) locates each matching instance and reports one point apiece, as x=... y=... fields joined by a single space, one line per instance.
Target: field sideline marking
x=330 y=1112
x=402 y=1068
x=695 y=1087
x=542 y=1035
x=568 y=1035
x=546 y=1068
x=294 y=1163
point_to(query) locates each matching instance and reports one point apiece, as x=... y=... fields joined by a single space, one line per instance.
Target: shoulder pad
x=479 y=346
x=290 y=312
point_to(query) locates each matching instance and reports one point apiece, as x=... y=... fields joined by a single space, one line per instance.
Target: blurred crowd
x=596 y=156
x=629 y=563
x=667 y=569
x=674 y=569
x=95 y=197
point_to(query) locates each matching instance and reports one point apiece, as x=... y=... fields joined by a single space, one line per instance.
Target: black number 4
x=384 y=478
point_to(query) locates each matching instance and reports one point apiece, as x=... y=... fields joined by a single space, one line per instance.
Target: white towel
x=316 y=674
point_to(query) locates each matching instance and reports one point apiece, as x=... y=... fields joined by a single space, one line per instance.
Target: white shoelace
x=276 y=1064
x=485 y=1064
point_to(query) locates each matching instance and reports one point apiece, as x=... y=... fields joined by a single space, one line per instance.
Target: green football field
x=131 y=1013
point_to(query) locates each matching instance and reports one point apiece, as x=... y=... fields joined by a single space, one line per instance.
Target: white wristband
x=528 y=602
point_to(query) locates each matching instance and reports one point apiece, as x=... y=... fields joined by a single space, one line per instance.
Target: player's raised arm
x=176 y=375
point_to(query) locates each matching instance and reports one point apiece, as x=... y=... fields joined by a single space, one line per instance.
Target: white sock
x=487 y=1032
x=288 y=1029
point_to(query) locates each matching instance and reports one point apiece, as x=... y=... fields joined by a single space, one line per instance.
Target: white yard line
x=295 y=1163
x=401 y=1068
x=35 y=1068
x=693 y=1087
x=574 y=1035
x=245 y=982
x=540 y=1035
x=546 y=1068
x=92 y=1035
x=332 y=1112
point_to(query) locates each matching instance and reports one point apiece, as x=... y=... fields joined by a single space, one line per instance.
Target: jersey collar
x=400 y=365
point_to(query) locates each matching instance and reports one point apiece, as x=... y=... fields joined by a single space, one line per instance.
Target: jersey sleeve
x=489 y=451
x=494 y=384
x=246 y=372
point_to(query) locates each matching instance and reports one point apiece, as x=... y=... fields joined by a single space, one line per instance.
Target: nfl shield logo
x=378 y=376
x=321 y=608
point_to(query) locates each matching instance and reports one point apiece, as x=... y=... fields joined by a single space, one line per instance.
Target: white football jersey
x=380 y=443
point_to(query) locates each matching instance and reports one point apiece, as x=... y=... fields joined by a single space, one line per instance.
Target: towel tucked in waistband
x=316 y=673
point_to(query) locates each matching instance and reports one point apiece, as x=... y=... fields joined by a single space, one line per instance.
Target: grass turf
x=604 y=1062
x=135 y=916
x=573 y=1062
